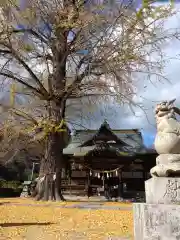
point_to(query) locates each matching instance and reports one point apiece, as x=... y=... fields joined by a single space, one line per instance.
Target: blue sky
x=148 y=138
x=152 y=94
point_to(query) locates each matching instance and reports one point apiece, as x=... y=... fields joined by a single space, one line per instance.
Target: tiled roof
x=131 y=140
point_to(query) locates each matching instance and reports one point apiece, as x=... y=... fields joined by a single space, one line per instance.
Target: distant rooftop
x=83 y=141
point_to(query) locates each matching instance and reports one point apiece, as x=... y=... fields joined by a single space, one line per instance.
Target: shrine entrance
x=104 y=184
x=107 y=162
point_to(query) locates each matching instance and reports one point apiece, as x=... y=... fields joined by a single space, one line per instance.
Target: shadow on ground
x=24 y=224
x=4 y=203
x=91 y=200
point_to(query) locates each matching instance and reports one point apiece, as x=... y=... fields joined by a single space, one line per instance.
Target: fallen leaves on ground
x=49 y=223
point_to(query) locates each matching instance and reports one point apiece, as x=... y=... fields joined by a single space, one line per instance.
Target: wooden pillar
x=120 y=187
x=88 y=183
x=70 y=179
x=144 y=172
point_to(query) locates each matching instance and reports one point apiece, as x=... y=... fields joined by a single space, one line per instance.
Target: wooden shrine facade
x=105 y=159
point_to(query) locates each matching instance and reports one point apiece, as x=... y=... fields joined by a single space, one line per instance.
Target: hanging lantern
x=132 y=166
x=80 y=167
x=54 y=177
x=99 y=176
x=107 y=175
x=90 y=173
x=116 y=173
x=73 y=167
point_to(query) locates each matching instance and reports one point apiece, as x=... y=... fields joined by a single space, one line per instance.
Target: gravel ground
x=90 y=206
x=23 y=219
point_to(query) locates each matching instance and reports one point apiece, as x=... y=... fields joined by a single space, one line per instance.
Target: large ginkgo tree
x=59 y=50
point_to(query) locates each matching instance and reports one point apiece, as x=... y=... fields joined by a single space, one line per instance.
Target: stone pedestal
x=162 y=190
x=156 y=221
x=26 y=189
x=159 y=217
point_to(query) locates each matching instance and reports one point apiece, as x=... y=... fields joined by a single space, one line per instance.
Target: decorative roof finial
x=106 y=124
x=105 y=120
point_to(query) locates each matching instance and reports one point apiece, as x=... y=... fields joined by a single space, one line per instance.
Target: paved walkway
x=83 y=205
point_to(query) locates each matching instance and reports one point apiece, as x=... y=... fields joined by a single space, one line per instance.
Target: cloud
x=150 y=94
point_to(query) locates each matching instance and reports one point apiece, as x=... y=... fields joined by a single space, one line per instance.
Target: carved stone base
x=162 y=190
x=167 y=165
x=171 y=170
x=26 y=189
x=156 y=221
x=24 y=195
x=166 y=159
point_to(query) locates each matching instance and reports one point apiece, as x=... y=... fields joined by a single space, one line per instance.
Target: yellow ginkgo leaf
x=12 y=94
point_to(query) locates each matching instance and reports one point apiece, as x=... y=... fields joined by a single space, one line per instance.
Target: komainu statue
x=167 y=141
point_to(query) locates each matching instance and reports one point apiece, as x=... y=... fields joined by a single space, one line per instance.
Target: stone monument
x=159 y=217
x=26 y=189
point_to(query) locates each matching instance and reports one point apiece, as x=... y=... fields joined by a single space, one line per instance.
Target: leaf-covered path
x=26 y=220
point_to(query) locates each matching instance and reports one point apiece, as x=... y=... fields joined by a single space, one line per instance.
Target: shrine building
x=107 y=157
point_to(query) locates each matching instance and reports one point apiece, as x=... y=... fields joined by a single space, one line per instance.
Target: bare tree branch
x=22 y=62
x=32 y=32
x=10 y=76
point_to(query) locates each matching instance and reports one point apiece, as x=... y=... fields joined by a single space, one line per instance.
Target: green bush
x=2 y=183
x=10 y=184
x=36 y=175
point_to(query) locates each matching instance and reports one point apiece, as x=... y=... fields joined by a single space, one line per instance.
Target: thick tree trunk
x=49 y=183
x=49 y=188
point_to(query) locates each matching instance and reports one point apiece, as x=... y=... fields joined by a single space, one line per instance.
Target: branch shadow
x=87 y=201
x=24 y=224
x=4 y=203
